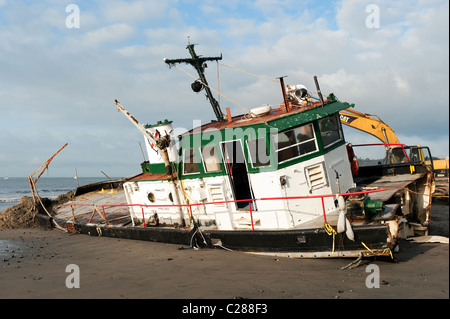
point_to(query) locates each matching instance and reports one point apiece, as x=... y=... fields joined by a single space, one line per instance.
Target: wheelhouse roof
x=278 y=118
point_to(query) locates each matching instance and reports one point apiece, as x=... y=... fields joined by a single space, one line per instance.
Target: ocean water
x=13 y=188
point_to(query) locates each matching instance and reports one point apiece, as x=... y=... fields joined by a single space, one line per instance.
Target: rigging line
x=260 y=76
x=222 y=95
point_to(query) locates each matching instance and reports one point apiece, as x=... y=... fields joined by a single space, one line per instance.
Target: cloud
x=110 y=34
x=58 y=84
x=134 y=11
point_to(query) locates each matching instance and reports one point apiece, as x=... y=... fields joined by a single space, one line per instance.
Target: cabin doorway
x=236 y=166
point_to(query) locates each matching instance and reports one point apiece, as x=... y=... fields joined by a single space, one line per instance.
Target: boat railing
x=249 y=201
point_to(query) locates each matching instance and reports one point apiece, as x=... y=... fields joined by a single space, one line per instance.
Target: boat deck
x=109 y=207
x=94 y=207
x=392 y=184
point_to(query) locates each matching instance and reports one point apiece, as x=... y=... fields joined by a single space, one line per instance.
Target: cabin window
x=211 y=159
x=190 y=162
x=295 y=143
x=259 y=155
x=330 y=130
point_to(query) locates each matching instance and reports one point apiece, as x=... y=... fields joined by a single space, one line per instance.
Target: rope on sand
x=354 y=263
x=34 y=189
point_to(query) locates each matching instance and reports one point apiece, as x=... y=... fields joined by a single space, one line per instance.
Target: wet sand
x=33 y=265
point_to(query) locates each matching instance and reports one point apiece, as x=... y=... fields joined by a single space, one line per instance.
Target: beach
x=34 y=265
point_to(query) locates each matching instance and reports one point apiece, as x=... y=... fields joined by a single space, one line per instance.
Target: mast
x=198 y=62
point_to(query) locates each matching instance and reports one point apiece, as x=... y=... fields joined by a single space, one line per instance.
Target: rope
x=260 y=76
x=390 y=252
x=354 y=263
x=37 y=195
x=367 y=248
x=383 y=252
x=197 y=229
x=330 y=231
x=221 y=94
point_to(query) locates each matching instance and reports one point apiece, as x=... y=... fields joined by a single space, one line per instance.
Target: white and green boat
x=278 y=180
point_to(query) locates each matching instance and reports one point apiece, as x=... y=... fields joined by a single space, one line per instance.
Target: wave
x=55 y=190
x=14 y=189
x=40 y=191
x=16 y=199
x=14 y=192
x=9 y=200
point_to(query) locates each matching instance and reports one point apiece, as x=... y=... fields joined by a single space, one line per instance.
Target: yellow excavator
x=373 y=125
x=369 y=123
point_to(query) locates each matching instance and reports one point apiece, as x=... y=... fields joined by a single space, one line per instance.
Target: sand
x=33 y=265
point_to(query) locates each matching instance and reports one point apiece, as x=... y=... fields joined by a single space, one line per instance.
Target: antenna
x=199 y=64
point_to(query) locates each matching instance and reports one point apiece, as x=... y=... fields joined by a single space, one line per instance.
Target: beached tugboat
x=278 y=180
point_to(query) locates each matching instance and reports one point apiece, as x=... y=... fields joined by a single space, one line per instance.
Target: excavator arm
x=370 y=124
x=373 y=125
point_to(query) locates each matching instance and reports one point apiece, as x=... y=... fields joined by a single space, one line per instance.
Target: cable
x=354 y=263
x=221 y=94
x=197 y=229
x=260 y=76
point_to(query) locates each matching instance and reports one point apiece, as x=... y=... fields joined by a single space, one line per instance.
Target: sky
x=62 y=68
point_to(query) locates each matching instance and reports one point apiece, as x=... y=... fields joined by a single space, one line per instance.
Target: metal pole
x=76 y=177
x=284 y=92
x=162 y=144
x=251 y=215
x=106 y=175
x=199 y=68
x=197 y=62
x=318 y=89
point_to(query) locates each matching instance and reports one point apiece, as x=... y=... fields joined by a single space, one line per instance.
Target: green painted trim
x=202 y=170
x=286 y=122
x=153 y=168
x=247 y=132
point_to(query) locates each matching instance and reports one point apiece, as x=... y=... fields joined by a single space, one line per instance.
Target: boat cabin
x=240 y=173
